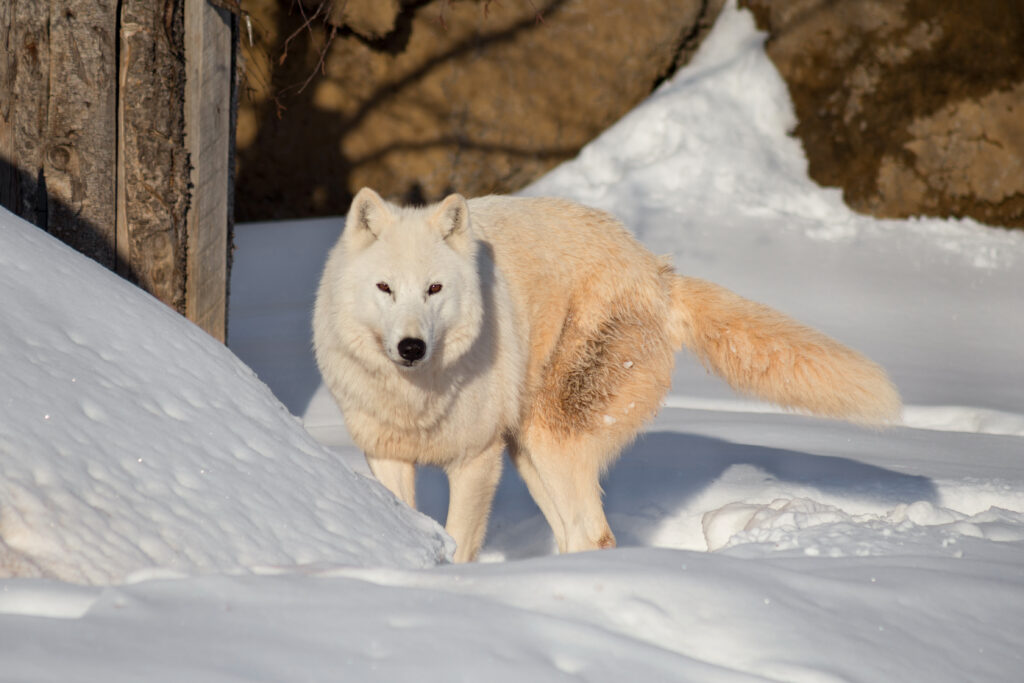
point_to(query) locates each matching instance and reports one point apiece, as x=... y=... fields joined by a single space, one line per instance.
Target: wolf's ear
x=367 y=216
x=451 y=218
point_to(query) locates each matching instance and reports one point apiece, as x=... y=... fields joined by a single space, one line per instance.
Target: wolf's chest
x=436 y=426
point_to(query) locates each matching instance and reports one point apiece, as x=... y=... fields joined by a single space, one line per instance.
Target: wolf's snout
x=412 y=349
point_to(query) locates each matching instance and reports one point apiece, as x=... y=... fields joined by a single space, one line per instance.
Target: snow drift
x=131 y=440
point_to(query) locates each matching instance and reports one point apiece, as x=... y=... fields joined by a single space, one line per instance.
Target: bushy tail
x=763 y=353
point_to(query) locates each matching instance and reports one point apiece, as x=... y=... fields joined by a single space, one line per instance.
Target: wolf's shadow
x=664 y=472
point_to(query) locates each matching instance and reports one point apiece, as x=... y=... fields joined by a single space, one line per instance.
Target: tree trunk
x=115 y=136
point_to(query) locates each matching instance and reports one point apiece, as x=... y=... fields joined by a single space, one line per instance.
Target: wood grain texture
x=117 y=134
x=24 y=79
x=80 y=132
x=208 y=135
x=24 y=83
x=153 y=187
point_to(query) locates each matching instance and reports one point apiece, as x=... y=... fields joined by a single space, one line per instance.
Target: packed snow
x=163 y=516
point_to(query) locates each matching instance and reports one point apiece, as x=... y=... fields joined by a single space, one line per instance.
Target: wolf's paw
x=607 y=540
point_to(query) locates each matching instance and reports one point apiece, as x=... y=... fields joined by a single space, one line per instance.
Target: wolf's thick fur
x=452 y=332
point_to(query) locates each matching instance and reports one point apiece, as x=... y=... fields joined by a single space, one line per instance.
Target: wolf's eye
x=434 y=288
x=383 y=286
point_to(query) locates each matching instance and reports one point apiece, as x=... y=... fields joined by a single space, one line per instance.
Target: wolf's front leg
x=471 y=484
x=398 y=476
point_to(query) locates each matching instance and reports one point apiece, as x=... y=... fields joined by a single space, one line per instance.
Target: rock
x=910 y=106
x=473 y=96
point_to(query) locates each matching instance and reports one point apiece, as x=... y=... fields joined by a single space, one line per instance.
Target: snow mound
x=813 y=528
x=711 y=146
x=131 y=440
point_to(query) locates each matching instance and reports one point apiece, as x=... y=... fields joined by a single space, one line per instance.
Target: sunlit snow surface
x=132 y=441
x=134 y=449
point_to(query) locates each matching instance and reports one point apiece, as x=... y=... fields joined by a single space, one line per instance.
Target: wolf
x=451 y=333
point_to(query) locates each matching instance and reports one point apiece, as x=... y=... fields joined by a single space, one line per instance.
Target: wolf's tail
x=763 y=353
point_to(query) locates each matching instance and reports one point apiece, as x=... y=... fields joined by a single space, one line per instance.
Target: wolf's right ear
x=366 y=218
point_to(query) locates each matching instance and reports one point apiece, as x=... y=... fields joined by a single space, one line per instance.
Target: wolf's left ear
x=367 y=216
x=452 y=220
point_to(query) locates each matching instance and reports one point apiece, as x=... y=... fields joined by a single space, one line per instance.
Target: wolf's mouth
x=404 y=363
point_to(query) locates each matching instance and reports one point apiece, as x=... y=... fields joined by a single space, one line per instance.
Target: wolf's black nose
x=412 y=349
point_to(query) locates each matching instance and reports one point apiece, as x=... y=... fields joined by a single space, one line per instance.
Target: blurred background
x=911 y=107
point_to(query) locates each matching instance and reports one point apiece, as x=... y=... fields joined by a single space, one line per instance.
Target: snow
x=164 y=517
x=133 y=442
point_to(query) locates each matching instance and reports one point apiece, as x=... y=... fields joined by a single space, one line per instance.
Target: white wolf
x=452 y=332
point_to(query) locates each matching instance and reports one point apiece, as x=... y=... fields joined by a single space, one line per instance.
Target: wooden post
x=116 y=135
x=209 y=136
x=24 y=73
x=153 y=165
x=60 y=150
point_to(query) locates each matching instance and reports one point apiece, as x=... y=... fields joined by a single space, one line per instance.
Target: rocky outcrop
x=910 y=106
x=417 y=99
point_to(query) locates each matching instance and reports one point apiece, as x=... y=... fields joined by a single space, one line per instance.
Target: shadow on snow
x=661 y=475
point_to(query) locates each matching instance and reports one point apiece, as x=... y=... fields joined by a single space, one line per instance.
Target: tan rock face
x=911 y=106
x=468 y=95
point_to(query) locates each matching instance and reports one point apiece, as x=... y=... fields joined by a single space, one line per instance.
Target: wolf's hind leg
x=472 y=483
x=569 y=475
x=398 y=476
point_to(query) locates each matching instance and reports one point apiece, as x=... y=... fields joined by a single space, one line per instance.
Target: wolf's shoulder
x=500 y=203
x=503 y=212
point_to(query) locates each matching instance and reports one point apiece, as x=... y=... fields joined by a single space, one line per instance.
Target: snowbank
x=130 y=440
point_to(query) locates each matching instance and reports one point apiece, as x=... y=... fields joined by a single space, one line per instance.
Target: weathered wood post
x=58 y=136
x=117 y=136
x=210 y=108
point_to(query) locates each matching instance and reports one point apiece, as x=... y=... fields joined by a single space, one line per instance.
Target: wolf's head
x=410 y=279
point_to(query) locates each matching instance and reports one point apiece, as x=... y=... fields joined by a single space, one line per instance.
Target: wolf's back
x=760 y=352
